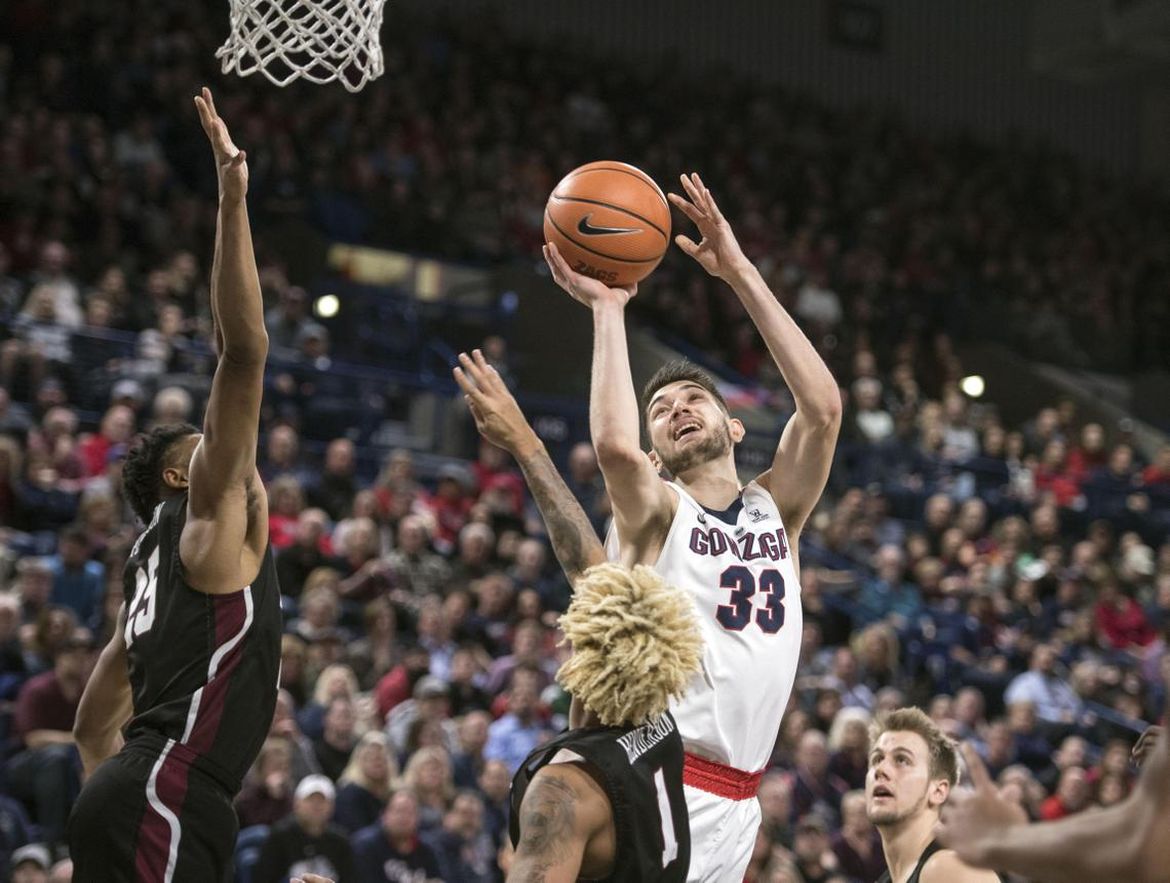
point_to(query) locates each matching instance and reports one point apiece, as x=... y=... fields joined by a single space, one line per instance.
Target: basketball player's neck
x=713 y=484
x=904 y=842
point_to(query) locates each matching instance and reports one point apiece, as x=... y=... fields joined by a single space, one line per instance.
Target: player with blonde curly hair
x=605 y=799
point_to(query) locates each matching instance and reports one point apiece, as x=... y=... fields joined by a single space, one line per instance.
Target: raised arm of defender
x=800 y=467
x=499 y=419
x=227 y=525
x=642 y=505
x=1124 y=842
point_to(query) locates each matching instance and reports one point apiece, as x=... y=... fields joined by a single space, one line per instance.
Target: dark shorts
x=144 y=817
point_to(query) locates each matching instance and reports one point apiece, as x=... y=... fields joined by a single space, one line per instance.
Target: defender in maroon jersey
x=194 y=662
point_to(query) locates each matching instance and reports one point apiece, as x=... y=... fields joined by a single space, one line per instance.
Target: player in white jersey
x=732 y=548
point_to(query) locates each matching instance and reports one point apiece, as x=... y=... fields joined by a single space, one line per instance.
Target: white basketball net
x=319 y=40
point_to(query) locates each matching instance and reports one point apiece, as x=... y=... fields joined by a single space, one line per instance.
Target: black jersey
x=931 y=848
x=640 y=769
x=203 y=667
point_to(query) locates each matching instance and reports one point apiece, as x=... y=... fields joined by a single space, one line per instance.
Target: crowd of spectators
x=854 y=214
x=1012 y=580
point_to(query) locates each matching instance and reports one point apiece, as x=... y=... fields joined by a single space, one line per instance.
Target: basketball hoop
x=319 y=40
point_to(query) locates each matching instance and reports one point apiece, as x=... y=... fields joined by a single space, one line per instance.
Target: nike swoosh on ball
x=589 y=230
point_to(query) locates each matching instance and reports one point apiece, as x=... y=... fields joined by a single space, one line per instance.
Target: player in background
x=731 y=548
x=604 y=800
x=1129 y=841
x=912 y=769
x=194 y=660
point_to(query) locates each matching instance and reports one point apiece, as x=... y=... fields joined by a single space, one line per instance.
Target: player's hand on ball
x=974 y=820
x=718 y=250
x=497 y=415
x=231 y=163
x=586 y=289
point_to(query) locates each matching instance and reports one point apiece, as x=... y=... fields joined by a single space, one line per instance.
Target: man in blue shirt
x=887 y=592
x=78 y=582
x=513 y=737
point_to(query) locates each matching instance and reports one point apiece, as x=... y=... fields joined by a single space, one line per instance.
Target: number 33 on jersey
x=737 y=567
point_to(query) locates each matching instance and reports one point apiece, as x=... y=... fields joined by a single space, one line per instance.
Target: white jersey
x=744 y=584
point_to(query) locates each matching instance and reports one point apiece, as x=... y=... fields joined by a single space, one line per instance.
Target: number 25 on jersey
x=140 y=617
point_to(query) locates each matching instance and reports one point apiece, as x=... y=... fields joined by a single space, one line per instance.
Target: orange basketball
x=610 y=221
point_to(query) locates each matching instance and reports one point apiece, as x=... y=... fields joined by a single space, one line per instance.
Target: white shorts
x=723 y=835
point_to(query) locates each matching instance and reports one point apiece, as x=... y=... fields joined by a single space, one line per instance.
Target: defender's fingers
x=980 y=778
x=464 y=382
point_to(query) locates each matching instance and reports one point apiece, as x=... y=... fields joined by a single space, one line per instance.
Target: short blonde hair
x=374 y=740
x=636 y=643
x=944 y=758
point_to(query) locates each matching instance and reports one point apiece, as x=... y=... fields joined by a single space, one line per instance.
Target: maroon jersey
x=203 y=668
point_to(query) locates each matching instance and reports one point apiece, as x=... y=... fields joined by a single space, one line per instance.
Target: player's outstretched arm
x=642 y=505
x=1123 y=842
x=106 y=704
x=805 y=453
x=499 y=419
x=223 y=469
x=562 y=810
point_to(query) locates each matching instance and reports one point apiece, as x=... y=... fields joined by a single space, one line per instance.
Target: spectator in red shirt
x=46 y=773
x=450 y=506
x=1089 y=456
x=116 y=428
x=493 y=471
x=1052 y=474
x=1072 y=795
x=1120 y=619
x=398 y=684
x=286 y=501
x=1158 y=472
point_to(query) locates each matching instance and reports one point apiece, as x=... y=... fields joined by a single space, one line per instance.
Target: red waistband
x=715 y=778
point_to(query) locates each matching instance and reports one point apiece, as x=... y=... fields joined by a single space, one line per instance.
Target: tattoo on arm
x=547 y=819
x=573 y=540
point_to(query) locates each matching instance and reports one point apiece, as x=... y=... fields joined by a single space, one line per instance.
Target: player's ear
x=175 y=477
x=652 y=456
x=736 y=428
x=940 y=790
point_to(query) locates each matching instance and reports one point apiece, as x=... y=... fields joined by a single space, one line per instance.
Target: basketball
x=610 y=221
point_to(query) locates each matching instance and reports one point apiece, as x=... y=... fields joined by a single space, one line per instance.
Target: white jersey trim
x=213 y=667
x=165 y=812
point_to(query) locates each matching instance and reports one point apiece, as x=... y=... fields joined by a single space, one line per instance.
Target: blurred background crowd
x=1012 y=578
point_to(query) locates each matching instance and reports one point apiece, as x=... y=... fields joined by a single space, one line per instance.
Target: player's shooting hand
x=718 y=250
x=975 y=819
x=231 y=163
x=586 y=289
x=497 y=415
x=1146 y=744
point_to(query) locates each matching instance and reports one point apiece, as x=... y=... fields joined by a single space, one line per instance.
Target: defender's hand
x=497 y=415
x=584 y=288
x=718 y=251
x=231 y=163
x=974 y=820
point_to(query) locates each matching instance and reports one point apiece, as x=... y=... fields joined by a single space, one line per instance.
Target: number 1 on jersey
x=670 y=843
